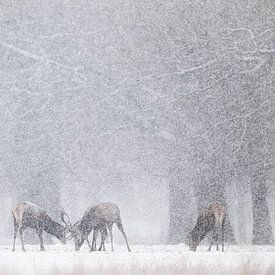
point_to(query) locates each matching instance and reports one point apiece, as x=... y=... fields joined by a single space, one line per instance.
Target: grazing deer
x=210 y=220
x=96 y=218
x=27 y=214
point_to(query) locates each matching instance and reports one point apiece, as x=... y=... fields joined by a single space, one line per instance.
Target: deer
x=27 y=214
x=98 y=218
x=210 y=220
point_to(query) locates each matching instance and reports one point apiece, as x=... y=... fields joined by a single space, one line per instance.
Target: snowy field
x=157 y=260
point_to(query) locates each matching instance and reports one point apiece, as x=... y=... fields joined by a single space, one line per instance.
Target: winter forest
x=161 y=107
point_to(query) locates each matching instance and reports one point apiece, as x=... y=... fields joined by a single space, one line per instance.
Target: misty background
x=161 y=107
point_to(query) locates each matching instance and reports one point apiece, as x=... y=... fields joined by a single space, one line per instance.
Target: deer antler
x=67 y=223
x=69 y=237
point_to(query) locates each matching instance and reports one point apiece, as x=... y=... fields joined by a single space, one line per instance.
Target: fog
x=161 y=107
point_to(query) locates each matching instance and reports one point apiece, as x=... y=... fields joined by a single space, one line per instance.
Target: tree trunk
x=181 y=207
x=262 y=229
x=36 y=165
x=40 y=187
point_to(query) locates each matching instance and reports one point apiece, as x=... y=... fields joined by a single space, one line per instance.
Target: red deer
x=211 y=220
x=96 y=218
x=27 y=214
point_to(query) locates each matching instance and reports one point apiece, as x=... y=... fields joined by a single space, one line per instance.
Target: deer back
x=27 y=213
x=97 y=216
x=107 y=212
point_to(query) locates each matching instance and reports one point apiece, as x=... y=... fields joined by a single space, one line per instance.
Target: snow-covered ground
x=157 y=260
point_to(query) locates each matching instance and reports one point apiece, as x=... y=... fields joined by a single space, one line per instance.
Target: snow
x=161 y=107
x=144 y=259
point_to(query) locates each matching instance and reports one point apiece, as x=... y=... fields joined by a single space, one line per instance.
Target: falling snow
x=161 y=107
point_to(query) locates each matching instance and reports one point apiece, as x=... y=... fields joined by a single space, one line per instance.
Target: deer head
x=75 y=234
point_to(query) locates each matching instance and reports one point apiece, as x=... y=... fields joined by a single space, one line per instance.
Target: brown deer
x=27 y=214
x=211 y=220
x=98 y=218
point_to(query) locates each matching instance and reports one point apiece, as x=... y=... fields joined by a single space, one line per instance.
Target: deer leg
x=220 y=237
x=40 y=235
x=110 y=228
x=103 y=238
x=120 y=227
x=222 y=229
x=21 y=232
x=212 y=240
x=102 y=243
x=93 y=248
x=16 y=226
x=217 y=243
x=88 y=242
